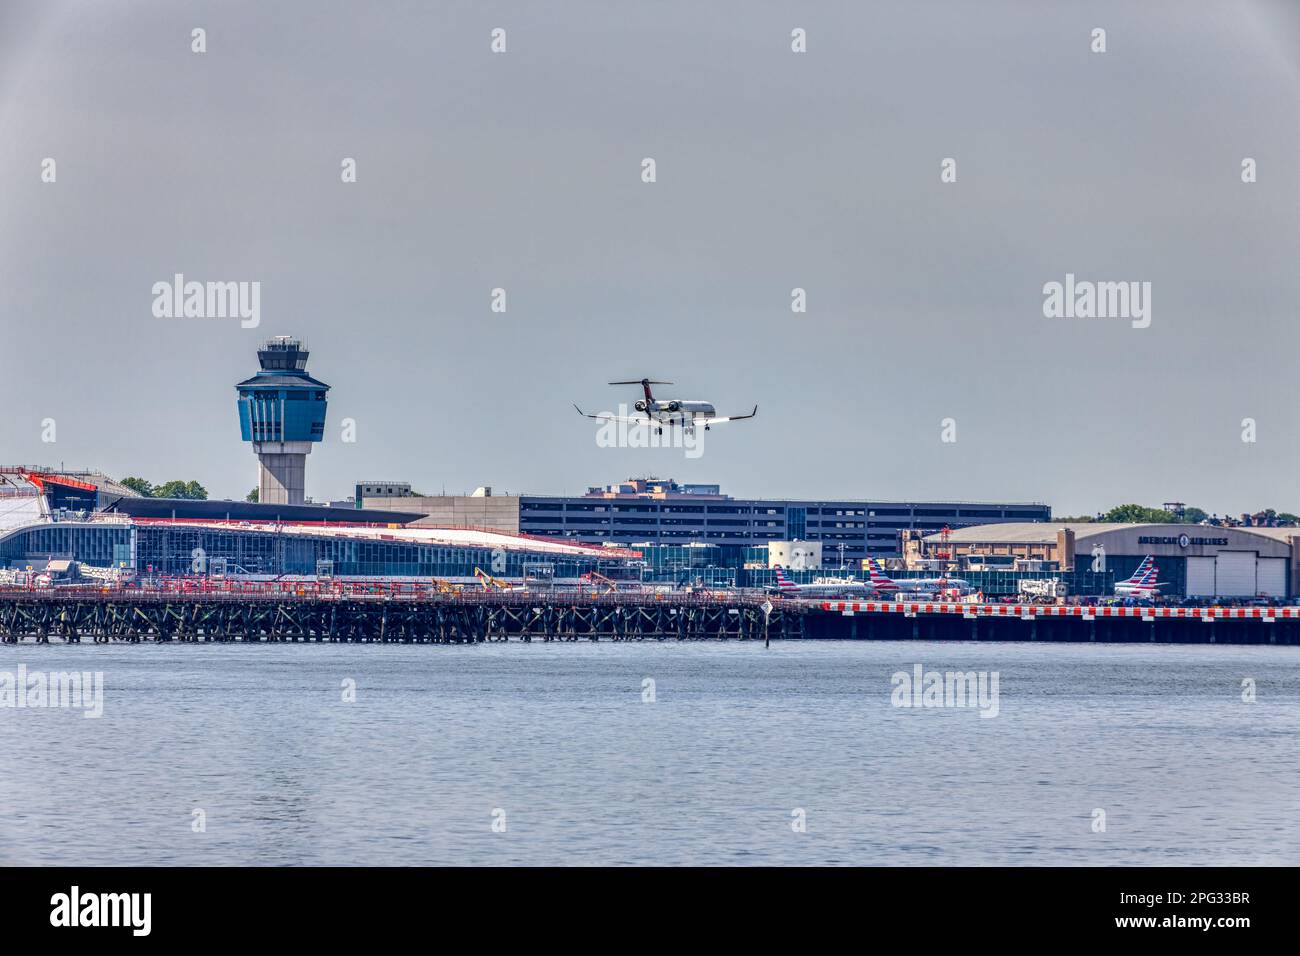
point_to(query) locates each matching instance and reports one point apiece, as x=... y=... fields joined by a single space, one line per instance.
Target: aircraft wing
x=611 y=417
x=724 y=418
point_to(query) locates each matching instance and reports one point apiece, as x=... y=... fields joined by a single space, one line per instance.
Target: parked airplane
x=884 y=584
x=879 y=580
x=675 y=411
x=821 y=588
x=1142 y=583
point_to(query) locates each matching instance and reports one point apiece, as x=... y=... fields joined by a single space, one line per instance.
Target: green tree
x=1138 y=514
x=176 y=488
x=138 y=485
x=251 y=496
x=1195 y=515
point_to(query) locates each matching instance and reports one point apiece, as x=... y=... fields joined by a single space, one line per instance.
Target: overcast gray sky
x=775 y=170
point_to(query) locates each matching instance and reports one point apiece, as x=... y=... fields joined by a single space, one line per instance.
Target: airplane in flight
x=671 y=412
x=1142 y=583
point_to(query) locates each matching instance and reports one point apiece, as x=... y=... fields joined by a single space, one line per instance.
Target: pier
x=466 y=618
x=131 y=616
x=941 y=621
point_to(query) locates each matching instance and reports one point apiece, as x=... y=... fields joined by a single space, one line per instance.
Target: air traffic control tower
x=282 y=412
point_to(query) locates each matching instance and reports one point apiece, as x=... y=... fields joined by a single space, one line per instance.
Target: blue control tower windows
x=282 y=413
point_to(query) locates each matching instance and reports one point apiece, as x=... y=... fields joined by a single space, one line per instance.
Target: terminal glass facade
x=169 y=551
x=100 y=545
x=172 y=550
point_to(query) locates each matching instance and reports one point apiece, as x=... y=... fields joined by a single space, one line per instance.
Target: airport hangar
x=1196 y=560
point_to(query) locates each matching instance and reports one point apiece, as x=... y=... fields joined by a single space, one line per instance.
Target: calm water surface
x=559 y=738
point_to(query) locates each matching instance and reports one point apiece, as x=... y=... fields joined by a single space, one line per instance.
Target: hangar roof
x=1025 y=532
x=1280 y=534
x=1044 y=532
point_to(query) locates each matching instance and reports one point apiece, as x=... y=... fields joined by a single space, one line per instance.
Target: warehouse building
x=1195 y=560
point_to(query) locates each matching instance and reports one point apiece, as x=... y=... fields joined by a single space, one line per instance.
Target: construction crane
x=595 y=577
x=490 y=582
x=445 y=587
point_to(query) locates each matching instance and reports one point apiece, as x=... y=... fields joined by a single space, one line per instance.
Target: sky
x=924 y=366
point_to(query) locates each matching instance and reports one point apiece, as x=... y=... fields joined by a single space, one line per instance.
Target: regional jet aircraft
x=672 y=412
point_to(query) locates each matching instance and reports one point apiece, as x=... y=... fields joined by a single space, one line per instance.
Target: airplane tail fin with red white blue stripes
x=1145 y=575
x=879 y=580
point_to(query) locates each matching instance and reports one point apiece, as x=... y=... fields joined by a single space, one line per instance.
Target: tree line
x=168 y=489
x=1142 y=514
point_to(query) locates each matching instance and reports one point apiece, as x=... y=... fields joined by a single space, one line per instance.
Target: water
x=558 y=737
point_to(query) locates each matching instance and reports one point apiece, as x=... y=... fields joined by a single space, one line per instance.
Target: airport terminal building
x=641 y=530
x=662 y=512
x=50 y=518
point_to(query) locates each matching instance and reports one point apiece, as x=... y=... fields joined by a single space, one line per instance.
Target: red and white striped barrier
x=1027 y=611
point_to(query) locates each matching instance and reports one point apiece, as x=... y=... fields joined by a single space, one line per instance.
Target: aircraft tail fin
x=879 y=580
x=1146 y=573
x=645 y=384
